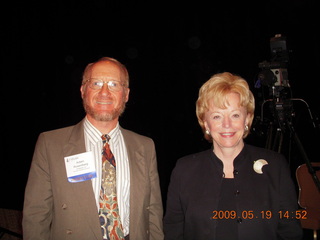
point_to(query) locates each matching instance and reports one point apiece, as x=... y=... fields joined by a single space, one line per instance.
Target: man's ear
x=127 y=91
x=82 y=90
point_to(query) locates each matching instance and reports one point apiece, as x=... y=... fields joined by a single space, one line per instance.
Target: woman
x=233 y=190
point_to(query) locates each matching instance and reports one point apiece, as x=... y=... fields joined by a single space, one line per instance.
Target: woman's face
x=227 y=126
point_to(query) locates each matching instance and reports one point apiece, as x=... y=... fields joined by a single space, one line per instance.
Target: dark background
x=170 y=51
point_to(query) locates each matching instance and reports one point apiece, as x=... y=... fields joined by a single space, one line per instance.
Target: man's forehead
x=105 y=65
x=105 y=68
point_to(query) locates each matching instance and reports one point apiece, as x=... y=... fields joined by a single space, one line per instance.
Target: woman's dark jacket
x=194 y=191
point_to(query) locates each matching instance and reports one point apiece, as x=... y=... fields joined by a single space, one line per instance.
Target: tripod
x=282 y=110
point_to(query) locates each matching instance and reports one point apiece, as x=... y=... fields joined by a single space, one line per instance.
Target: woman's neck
x=227 y=156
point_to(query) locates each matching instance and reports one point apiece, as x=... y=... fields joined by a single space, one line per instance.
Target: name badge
x=80 y=167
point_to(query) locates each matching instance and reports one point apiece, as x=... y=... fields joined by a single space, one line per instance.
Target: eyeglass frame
x=104 y=82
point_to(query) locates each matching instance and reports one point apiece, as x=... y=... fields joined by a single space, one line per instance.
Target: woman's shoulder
x=270 y=156
x=261 y=151
x=195 y=158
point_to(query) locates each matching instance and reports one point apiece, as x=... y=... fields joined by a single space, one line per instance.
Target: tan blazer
x=57 y=209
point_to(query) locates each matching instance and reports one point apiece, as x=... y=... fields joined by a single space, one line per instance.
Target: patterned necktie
x=109 y=212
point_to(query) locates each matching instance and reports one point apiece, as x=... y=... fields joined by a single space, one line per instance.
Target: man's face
x=103 y=104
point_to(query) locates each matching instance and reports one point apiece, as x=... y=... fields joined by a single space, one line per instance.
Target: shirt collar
x=95 y=135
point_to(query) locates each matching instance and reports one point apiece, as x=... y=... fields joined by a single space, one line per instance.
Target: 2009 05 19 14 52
x=267 y=214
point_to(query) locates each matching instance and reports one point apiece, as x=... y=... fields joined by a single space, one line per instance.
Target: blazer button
x=69 y=231
x=235 y=172
x=237 y=193
x=239 y=220
x=64 y=206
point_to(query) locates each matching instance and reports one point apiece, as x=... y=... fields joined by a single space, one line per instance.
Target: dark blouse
x=227 y=226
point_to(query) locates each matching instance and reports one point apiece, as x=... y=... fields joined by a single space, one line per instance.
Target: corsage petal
x=258 y=164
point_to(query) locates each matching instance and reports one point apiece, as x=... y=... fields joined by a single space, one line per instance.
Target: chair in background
x=10 y=224
x=309 y=197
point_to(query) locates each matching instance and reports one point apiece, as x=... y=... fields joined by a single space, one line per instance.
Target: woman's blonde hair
x=215 y=90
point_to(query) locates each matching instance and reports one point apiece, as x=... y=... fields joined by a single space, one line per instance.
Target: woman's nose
x=226 y=122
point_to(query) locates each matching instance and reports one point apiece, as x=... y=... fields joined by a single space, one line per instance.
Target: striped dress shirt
x=93 y=142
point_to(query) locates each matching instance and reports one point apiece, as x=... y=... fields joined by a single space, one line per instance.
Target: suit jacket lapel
x=137 y=174
x=83 y=190
x=136 y=162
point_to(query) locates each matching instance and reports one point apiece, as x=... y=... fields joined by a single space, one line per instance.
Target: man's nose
x=105 y=89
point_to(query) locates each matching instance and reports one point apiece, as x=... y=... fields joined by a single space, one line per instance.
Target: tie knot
x=105 y=138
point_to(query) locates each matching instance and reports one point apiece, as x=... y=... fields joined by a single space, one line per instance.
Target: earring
x=207 y=132
x=246 y=128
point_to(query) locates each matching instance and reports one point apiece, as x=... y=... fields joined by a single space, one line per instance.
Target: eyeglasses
x=96 y=84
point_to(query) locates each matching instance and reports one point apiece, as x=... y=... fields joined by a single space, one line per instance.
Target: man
x=63 y=193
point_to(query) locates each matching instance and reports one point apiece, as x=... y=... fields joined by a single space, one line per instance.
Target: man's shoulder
x=130 y=133
x=64 y=131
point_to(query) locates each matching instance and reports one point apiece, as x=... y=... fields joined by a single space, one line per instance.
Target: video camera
x=274 y=75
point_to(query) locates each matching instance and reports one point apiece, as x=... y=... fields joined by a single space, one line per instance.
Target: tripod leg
x=280 y=141
x=277 y=140
x=269 y=136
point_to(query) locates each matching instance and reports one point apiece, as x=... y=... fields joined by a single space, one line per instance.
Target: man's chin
x=104 y=116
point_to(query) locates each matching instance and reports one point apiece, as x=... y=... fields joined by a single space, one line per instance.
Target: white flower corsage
x=258 y=164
